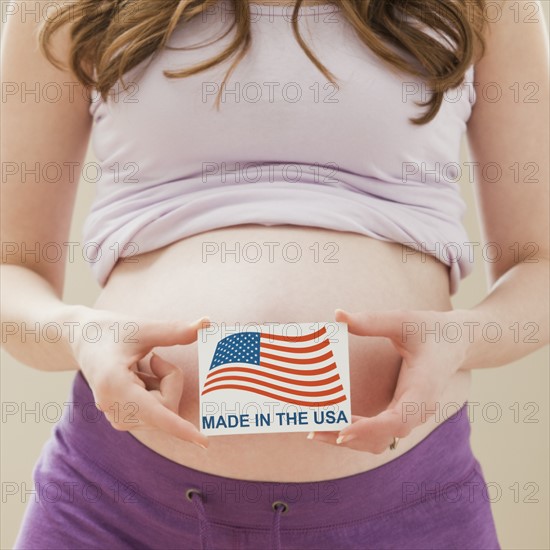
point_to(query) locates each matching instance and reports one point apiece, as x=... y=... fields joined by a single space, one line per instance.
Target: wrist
x=69 y=313
x=469 y=327
x=70 y=318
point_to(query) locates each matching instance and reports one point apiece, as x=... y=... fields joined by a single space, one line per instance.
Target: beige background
x=514 y=453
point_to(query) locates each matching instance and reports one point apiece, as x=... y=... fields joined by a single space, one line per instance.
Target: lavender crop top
x=285 y=147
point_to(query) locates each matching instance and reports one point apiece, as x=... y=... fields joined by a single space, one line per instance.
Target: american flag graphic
x=295 y=369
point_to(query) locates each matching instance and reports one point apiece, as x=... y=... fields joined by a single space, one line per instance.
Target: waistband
x=441 y=460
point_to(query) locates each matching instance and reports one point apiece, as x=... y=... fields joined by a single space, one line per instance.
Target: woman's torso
x=217 y=274
x=342 y=222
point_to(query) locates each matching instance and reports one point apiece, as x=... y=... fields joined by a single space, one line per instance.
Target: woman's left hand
x=429 y=360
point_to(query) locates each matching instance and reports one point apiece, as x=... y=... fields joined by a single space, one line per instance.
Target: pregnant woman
x=271 y=162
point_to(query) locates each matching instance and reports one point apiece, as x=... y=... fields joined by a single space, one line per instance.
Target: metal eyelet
x=189 y=493
x=278 y=503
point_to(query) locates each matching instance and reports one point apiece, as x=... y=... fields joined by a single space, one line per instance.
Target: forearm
x=512 y=321
x=36 y=325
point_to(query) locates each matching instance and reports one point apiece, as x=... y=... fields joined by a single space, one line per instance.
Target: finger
x=170 y=381
x=362 y=445
x=372 y=445
x=324 y=437
x=122 y=422
x=415 y=395
x=373 y=435
x=149 y=381
x=170 y=333
x=403 y=414
x=376 y=448
x=154 y=413
x=337 y=437
x=387 y=424
x=330 y=436
x=387 y=324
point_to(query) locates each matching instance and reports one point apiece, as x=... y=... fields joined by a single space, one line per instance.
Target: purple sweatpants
x=101 y=488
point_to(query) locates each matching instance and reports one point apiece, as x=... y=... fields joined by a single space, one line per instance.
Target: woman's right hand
x=109 y=361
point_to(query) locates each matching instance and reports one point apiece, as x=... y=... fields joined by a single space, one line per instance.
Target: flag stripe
x=278 y=397
x=295 y=349
x=279 y=337
x=281 y=359
x=286 y=379
x=295 y=360
x=301 y=393
x=311 y=372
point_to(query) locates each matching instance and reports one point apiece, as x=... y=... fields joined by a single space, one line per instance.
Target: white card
x=291 y=377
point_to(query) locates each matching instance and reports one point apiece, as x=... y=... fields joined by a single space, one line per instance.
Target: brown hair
x=114 y=36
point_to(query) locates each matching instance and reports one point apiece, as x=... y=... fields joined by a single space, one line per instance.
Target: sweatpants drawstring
x=279 y=507
x=195 y=496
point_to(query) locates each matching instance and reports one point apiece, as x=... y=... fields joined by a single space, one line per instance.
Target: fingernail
x=311 y=435
x=344 y=438
x=200 y=445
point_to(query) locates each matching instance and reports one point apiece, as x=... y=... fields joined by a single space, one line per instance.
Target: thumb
x=387 y=324
x=171 y=333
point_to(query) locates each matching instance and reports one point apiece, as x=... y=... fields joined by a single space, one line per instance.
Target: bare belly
x=235 y=276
